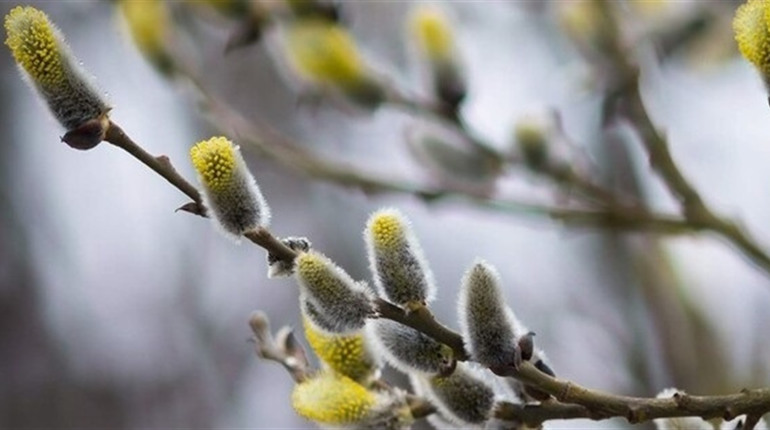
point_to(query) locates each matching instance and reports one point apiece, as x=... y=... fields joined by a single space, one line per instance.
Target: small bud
x=399 y=269
x=488 y=325
x=462 y=397
x=325 y=54
x=279 y=268
x=231 y=8
x=408 y=350
x=343 y=304
x=420 y=387
x=314 y=8
x=348 y=354
x=433 y=33
x=229 y=190
x=333 y=399
x=453 y=160
x=679 y=423
x=41 y=52
x=584 y=24
x=532 y=143
x=753 y=34
x=148 y=23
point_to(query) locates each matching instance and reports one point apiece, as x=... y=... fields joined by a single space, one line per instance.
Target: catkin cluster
x=342 y=327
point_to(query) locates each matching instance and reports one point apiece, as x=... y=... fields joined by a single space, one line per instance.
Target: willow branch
x=276 y=146
x=598 y=405
x=281 y=348
x=592 y=404
x=627 y=91
x=160 y=165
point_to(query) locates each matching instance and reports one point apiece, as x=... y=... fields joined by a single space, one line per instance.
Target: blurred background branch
x=143 y=335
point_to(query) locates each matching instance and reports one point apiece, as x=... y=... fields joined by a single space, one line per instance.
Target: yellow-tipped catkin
x=753 y=35
x=314 y=8
x=148 y=23
x=433 y=33
x=332 y=398
x=229 y=190
x=41 y=52
x=325 y=54
x=343 y=304
x=400 y=271
x=349 y=354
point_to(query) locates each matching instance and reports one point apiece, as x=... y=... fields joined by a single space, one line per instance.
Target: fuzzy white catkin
x=420 y=388
x=463 y=398
x=400 y=271
x=344 y=304
x=408 y=350
x=488 y=325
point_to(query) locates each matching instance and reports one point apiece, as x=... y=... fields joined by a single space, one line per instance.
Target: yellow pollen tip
x=215 y=161
x=433 y=32
x=325 y=53
x=332 y=399
x=345 y=354
x=147 y=22
x=387 y=230
x=312 y=267
x=34 y=45
x=751 y=33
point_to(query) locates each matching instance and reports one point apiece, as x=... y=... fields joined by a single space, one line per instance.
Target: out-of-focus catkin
x=753 y=35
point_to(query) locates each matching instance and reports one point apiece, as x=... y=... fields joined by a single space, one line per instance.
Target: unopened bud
x=462 y=397
x=315 y=9
x=278 y=267
x=229 y=189
x=532 y=143
x=488 y=325
x=398 y=266
x=453 y=160
x=343 y=304
x=408 y=350
x=679 y=423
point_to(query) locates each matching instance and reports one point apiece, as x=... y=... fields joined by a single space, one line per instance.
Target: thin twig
x=282 y=349
x=627 y=90
x=601 y=405
x=598 y=405
x=161 y=165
